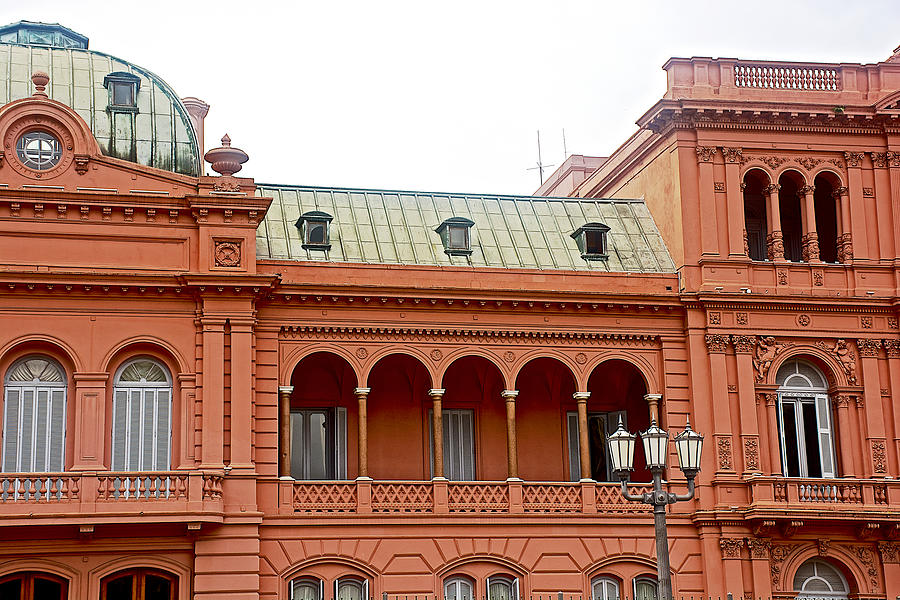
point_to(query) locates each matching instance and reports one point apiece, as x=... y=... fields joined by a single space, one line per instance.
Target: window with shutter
x=458 y=588
x=600 y=426
x=604 y=588
x=142 y=417
x=319 y=443
x=804 y=422
x=459 y=444
x=34 y=416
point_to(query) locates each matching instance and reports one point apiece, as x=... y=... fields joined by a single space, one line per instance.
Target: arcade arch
x=756 y=223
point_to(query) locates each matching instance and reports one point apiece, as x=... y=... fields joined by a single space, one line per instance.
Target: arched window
x=645 y=588
x=755 y=225
x=604 y=588
x=34 y=416
x=33 y=586
x=502 y=587
x=818 y=579
x=307 y=588
x=458 y=588
x=139 y=584
x=804 y=421
x=142 y=417
x=350 y=588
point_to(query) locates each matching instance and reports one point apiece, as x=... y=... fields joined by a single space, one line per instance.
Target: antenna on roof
x=540 y=165
x=565 y=152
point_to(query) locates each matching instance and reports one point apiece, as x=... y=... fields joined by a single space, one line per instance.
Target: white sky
x=445 y=96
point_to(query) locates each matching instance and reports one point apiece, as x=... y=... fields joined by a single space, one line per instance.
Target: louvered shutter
x=574 y=446
x=120 y=430
x=12 y=408
x=336 y=589
x=57 y=431
x=365 y=589
x=26 y=426
x=826 y=448
x=163 y=442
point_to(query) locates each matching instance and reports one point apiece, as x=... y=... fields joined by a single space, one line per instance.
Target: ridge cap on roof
x=282 y=186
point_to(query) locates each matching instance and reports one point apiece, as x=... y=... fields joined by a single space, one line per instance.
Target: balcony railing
x=103 y=494
x=452 y=497
x=824 y=498
x=787 y=77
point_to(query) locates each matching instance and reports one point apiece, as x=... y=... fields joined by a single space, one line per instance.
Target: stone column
x=512 y=460
x=709 y=227
x=735 y=201
x=213 y=420
x=583 y=440
x=716 y=345
x=841 y=404
x=890 y=562
x=362 y=442
x=241 y=394
x=892 y=349
x=810 y=243
x=759 y=566
x=731 y=563
x=874 y=416
x=775 y=241
x=893 y=161
x=743 y=349
x=284 y=430
x=437 y=432
x=845 y=240
x=771 y=401
x=653 y=401
x=857 y=206
x=877 y=204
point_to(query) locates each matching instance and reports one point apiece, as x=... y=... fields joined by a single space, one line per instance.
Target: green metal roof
x=158 y=135
x=397 y=227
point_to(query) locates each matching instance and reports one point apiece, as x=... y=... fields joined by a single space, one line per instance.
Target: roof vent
x=456 y=236
x=32 y=33
x=591 y=240
x=314 y=229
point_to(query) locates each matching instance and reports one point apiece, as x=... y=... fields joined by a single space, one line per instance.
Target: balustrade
x=774 y=495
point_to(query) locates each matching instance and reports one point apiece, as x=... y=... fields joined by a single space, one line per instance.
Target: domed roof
x=155 y=130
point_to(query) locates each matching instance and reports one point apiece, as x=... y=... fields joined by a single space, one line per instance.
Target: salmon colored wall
x=545 y=395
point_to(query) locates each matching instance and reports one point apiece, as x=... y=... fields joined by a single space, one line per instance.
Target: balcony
x=823 y=499
x=51 y=498
x=439 y=497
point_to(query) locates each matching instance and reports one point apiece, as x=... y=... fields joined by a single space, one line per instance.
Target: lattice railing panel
x=337 y=497
x=478 y=497
x=402 y=497
x=551 y=497
x=610 y=499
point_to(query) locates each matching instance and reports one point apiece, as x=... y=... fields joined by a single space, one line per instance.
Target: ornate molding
x=879 y=159
x=716 y=343
x=705 y=153
x=845 y=248
x=731 y=547
x=228 y=253
x=879 y=456
x=759 y=548
x=767 y=398
x=868 y=347
x=723 y=445
x=853 y=158
x=891 y=348
x=890 y=552
x=775 y=245
x=893 y=158
x=751 y=453
x=745 y=344
x=766 y=351
x=733 y=155
x=810 y=246
x=866 y=556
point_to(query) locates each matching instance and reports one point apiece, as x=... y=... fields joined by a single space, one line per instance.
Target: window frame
x=649 y=580
x=815 y=561
x=449 y=458
x=142 y=389
x=588 y=252
x=335 y=443
x=140 y=577
x=361 y=584
x=573 y=441
x=606 y=579
x=28 y=578
x=511 y=580
x=458 y=580
x=316 y=582
x=122 y=78
x=305 y=224
x=796 y=397
x=456 y=224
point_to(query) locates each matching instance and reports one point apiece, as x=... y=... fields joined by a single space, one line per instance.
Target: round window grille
x=38 y=150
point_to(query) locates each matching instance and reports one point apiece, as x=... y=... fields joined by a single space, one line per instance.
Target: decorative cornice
x=466 y=335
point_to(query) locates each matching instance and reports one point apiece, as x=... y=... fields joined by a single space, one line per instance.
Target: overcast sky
x=445 y=96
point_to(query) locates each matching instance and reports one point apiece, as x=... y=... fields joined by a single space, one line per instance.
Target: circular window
x=38 y=150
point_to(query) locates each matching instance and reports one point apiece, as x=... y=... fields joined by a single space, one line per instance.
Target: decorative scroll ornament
x=778 y=553
x=879 y=456
x=866 y=556
x=766 y=351
x=731 y=547
x=751 y=453
x=822 y=545
x=724 y=448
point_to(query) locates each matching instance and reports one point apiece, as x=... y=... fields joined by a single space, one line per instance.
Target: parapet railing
x=452 y=497
x=825 y=495
x=787 y=77
x=106 y=492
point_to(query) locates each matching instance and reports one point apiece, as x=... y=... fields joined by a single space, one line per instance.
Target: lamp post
x=688 y=445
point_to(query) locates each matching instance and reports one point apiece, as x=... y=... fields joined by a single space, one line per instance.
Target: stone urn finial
x=40 y=81
x=225 y=160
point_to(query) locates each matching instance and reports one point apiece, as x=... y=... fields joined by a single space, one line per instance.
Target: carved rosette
x=751 y=453
x=879 y=456
x=716 y=343
x=743 y=344
x=868 y=348
x=731 y=547
x=891 y=348
x=705 y=153
x=733 y=155
x=228 y=254
x=759 y=548
x=853 y=158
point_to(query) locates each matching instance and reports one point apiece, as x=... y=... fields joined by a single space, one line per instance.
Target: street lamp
x=688 y=445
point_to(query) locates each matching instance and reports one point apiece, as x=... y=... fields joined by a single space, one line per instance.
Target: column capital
x=868 y=348
x=853 y=158
x=717 y=343
x=653 y=397
x=733 y=155
x=509 y=394
x=841 y=191
x=806 y=190
x=772 y=188
x=581 y=396
x=362 y=391
x=705 y=153
x=892 y=348
x=285 y=389
x=436 y=392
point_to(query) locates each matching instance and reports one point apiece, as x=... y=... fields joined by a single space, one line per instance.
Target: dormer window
x=591 y=240
x=314 y=226
x=123 y=88
x=456 y=236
